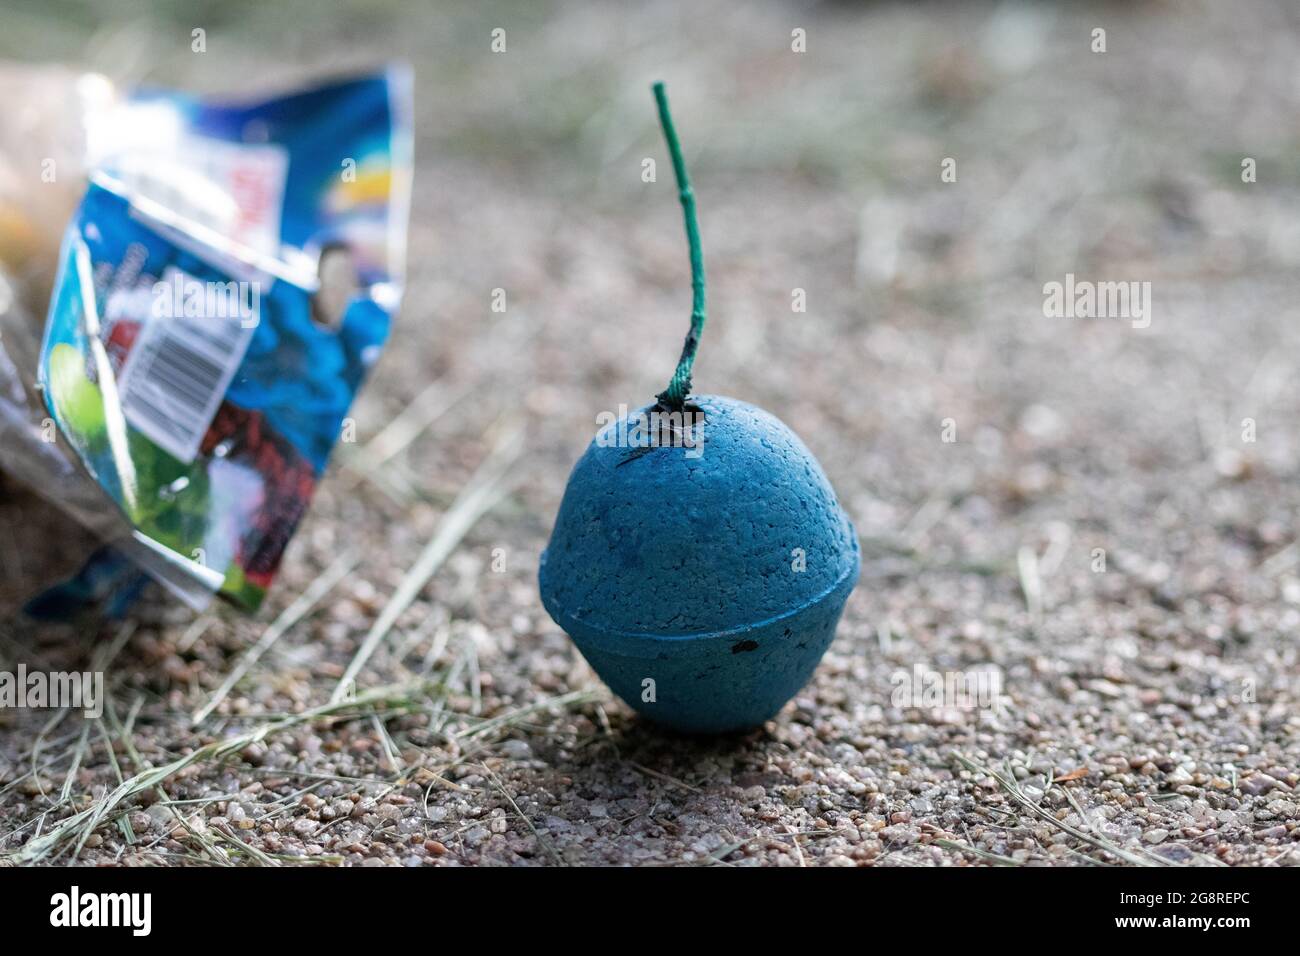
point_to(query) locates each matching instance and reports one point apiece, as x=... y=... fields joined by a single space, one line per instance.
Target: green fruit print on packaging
x=77 y=400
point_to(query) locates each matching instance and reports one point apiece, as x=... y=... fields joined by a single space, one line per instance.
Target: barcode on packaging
x=181 y=364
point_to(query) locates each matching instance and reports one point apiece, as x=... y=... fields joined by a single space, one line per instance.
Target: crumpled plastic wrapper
x=201 y=286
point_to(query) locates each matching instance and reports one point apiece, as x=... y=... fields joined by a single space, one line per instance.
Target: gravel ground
x=1101 y=535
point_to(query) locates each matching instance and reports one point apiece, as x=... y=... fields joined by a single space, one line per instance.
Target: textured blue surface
x=677 y=565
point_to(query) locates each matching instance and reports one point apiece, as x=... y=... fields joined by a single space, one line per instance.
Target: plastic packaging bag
x=196 y=372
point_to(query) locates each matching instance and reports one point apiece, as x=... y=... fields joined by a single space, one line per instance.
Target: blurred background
x=817 y=171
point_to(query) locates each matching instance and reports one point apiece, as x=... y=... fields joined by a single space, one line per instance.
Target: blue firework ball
x=700 y=561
